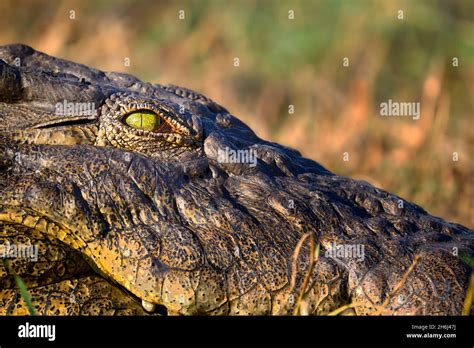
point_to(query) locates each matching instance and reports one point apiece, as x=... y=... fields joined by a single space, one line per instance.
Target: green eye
x=143 y=119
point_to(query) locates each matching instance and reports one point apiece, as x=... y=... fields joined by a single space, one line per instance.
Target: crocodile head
x=165 y=193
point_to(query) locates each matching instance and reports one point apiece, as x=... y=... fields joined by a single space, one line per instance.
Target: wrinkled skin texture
x=122 y=215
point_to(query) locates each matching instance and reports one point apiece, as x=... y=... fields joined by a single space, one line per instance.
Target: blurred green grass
x=299 y=62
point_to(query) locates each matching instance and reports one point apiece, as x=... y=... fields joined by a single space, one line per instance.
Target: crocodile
x=145 y=198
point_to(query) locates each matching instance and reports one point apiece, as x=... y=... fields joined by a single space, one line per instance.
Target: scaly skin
x=122 y=215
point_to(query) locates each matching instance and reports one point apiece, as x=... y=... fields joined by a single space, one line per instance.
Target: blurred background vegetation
x=299 y=62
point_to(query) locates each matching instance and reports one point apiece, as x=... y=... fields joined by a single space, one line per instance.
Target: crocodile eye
x=143 y=119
